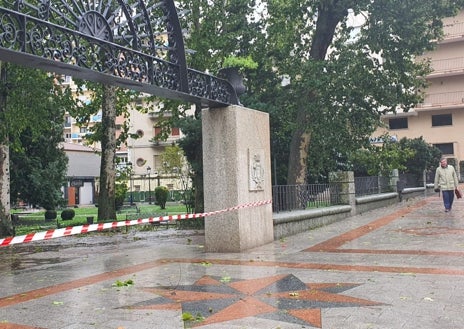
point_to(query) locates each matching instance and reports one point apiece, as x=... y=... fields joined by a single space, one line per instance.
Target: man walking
x=446 y=180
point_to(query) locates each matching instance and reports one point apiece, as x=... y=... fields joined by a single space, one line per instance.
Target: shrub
x=120 y=195
x=50 y=215
x=161 y=196
x=68 y=214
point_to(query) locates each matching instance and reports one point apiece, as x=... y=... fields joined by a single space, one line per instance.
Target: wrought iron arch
x=134 y=44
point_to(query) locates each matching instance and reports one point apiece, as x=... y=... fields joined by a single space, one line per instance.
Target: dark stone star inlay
x=282 y=298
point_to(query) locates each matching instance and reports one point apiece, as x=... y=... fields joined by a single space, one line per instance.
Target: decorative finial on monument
x=234 y=69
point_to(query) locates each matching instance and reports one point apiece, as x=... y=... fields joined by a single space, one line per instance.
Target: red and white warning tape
x=72 y=230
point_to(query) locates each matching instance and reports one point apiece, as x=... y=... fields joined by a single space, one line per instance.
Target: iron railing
x=292 y=197
x=372 y=185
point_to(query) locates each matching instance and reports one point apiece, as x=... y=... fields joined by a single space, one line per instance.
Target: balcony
x=447 y=67
x=453 y=32
x=168 y=142
x=155 y=114
x=96 y=118
x=442 y=100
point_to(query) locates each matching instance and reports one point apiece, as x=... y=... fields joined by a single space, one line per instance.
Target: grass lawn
x=35 y=221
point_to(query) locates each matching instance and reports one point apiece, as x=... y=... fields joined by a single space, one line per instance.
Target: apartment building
x=143 y=154
x=140 y=156
x=440 y=118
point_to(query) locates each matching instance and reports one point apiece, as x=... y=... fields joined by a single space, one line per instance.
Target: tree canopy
x=345 y=63
x=326 y=70
x=32 y=127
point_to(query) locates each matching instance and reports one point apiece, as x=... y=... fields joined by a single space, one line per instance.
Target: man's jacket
x=446 y=178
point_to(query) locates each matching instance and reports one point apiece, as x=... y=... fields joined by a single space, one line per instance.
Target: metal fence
x=372 y=185
x=293 y=197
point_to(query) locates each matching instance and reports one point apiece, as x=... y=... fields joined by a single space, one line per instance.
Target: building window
x=67 y=121
x=140 y=162
x=175 y=131
x=139 y=133
x=157 y=161
x=445 y=148
x=398 y=123
x=122 y=159
x=442 y=120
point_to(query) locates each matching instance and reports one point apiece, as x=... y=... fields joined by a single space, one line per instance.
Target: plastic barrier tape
x=72 y=230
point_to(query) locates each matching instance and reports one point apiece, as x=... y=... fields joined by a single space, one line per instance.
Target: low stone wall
x=297 y=221
x=375 y=201
x=292 y=222
x=415 y=192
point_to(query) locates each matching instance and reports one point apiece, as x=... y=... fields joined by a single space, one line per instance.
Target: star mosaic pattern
x=281 y=298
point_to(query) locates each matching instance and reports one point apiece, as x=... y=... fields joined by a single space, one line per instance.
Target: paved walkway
x=396 y=267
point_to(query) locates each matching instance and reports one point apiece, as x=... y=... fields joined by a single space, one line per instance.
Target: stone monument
x=237 y=171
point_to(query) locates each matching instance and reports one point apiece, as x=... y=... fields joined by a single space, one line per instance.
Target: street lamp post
x=149 y=184
x=157 y=177
x=129 y=164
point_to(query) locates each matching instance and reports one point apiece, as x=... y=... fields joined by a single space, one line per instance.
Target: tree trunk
x=330 y=13
x=6 y=226
x=106 y=199
x=297 y=161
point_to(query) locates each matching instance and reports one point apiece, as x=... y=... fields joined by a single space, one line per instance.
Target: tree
x=111 y=102
x=172 y=159
x=326 y=69
x=6 y=227
x=381 y=160
x=107 y=196
x=191 y=143
x=426 y=156
x=216 y=33
x=340 y=78
x=40 y=168
x=32 y=109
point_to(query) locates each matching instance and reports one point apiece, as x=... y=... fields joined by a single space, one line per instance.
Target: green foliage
x=381 y=160
x=186 y=316
x=83 y=112
x=125 y=283
x=161 y=196
x=408 y=156
x=35 y=110
x=240 y=62
x=191 y=143
x=34 y=222
x=172 y=159
x=335 y=97
x=426 y=156
x=120 y=194
x=67 y=214
x=50 y=214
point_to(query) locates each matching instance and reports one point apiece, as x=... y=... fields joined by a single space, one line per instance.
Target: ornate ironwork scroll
x=135 y=44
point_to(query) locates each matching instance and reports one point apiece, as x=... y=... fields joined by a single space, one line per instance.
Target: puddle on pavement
x=22 y=262
x=25 y=263
x=32 y=255
x=25 y=256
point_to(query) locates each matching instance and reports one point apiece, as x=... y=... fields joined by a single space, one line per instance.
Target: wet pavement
x=395 y=267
